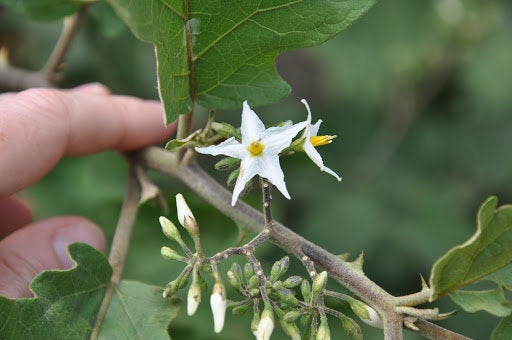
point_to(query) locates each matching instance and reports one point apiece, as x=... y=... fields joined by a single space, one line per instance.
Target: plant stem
x=120 y=243
x=70 y=26
x=349 y=277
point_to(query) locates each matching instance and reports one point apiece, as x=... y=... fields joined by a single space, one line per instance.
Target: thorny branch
x=352 y=279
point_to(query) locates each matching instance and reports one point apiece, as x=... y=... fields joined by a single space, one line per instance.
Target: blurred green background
x=419 y=94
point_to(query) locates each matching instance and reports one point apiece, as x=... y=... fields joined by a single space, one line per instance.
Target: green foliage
x=65 y=303
x=488 y=250
x=503 y=330
x=44 y=9
x=221 y=52
x=138 y=311
x=492 y=301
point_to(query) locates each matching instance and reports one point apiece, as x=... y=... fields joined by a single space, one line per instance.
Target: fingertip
x=92 y=88
x=42 y=246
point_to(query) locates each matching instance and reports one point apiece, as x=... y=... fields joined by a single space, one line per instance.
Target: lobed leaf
x=488 y=250
x=65 y=303
x=222 y=52
x=138 y=311
x=44 y=9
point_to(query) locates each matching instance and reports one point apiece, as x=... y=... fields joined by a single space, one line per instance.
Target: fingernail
x=92 y=88
x=79 y=232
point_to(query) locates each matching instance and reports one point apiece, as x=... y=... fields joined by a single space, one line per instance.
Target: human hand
x=37 y=128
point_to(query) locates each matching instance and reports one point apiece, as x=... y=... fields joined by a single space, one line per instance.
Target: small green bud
x=255 y=322
x=234 y=280
x=286 y=296
x=305 y=320
x=276 y=285
x=248 y=271
x=233 y=177
x=171 y=288
x=254 y=292
x=226 y=130
x=237 y=270
x=253 y=282
x=292 y=316
x=170 y=230
x=242 y=309
x=351 y=327
x=227 y=163
x=279 y=268
x=170 y=254
x=290 y=329
x=292 y=281
x=305 y=289
x=323 y=332
x=319 y=283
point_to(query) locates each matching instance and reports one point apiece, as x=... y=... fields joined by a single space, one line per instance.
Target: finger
x=39 y=126
x=14 y=214
x=40 y=246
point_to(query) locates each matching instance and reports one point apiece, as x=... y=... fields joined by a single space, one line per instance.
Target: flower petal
x=248 y=169
x=276 y=139
x=230 y=147
x=271 y=170
x=252 y=127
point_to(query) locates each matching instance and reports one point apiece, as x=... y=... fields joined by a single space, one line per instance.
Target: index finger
x=40 y=126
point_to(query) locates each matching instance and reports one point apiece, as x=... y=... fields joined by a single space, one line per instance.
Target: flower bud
x=218 y=304
x=291 y=316
x=266 y=324
x=170 y=230
x=286 y=296
x=227 y=163
x=323 y=331
x=171 y=288
x=279 y=268
x=170 y=254
x=366 y=313
x=351 y=327
x=234 y=280
x=185 y=216
x=226 y=130
x=319 y=283
x=242 y=309
x=193 y=298
x=305 y=290
x=290 y=329
x=248 y=271
x=292 y=281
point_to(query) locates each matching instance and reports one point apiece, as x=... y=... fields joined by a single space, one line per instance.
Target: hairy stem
x=120 y=243
x=351 y=278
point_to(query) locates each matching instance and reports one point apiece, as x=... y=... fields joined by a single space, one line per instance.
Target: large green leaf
x=488 y=250
x=65 y=303
x=138 y=311
x=44 y=9
x=221 y=52
x=504 y=330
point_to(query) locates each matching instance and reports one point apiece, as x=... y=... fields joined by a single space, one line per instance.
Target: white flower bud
x=323 y=331
x=185 y=216
x=219 y=304
x=193 y=298
x=266 y=325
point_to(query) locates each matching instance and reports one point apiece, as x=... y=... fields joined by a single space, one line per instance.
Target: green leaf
x=504 y=330
x=492 y=301
x=65 y=303
x=502 y=277
x=221 y=52
x=138 y=311
x=44 y=9
x=488 y=250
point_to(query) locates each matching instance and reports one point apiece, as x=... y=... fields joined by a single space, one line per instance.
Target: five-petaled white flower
x=311 y=140
x=259 y=150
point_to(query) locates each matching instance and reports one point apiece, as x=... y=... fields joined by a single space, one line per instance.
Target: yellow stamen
x=321 y=140
x=256 y=148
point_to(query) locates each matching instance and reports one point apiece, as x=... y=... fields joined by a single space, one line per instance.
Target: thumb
x=40 y=246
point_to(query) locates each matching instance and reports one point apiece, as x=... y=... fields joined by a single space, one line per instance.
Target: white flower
x=259 y=151
x=266 y=326
x=219 y=304
x=311 y=140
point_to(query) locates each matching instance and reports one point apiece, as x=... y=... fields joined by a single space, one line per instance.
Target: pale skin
x=38 y=127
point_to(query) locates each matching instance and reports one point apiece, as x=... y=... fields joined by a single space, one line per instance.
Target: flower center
x=321 y=140
x=256 y=148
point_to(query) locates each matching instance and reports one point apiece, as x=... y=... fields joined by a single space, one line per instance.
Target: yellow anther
x=321 y=140
x=256 y=148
